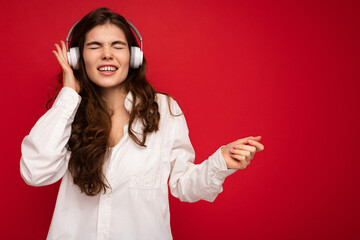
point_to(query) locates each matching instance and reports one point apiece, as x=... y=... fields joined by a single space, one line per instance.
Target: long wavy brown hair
x=89 y=140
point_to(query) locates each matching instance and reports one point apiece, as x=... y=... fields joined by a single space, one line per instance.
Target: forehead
x=105 y=33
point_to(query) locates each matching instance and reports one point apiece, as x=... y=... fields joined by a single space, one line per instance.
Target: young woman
x=117 y=144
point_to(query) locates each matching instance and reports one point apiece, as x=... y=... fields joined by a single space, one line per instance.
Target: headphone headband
x=137 y=34
x=130 y=24
x=69 y=35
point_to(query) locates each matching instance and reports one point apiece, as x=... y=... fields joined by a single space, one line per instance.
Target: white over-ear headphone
x=136 y=53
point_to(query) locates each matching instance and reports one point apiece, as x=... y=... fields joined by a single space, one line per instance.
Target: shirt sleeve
x=192 y=182
x=45 y=157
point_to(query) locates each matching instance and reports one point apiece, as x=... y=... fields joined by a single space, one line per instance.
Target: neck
x=114 y=98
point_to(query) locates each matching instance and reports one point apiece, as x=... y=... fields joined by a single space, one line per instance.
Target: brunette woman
x=117 y=144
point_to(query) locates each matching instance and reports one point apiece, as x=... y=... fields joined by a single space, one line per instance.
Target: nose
x=107 y=53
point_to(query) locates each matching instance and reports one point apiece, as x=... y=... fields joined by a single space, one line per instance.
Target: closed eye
x=116 y=44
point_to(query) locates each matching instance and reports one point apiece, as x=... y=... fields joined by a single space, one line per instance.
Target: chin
x=110 y=81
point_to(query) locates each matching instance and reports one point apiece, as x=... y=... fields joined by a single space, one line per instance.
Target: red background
x=285 y=70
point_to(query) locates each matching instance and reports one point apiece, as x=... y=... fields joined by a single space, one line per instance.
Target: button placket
x=104 y=211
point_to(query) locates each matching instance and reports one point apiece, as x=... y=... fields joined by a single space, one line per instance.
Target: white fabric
x=137 y=206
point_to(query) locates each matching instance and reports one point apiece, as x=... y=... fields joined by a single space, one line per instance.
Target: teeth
x=110 y=69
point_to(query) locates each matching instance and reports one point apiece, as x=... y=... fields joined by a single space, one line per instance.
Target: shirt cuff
x=219 y=166
x=68 y=99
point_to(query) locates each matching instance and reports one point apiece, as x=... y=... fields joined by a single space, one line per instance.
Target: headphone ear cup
x=136 y=57
x=73 y=57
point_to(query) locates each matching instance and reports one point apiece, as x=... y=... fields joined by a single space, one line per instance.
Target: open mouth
x=107 y=69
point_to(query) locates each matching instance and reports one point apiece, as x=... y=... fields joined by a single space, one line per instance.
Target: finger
x=242 y=141
x=240 y=152
x=245 y=140
x=245 y=147
x=238 y=157
x=64 y=50
x=61 y=62
x=59 y=51
x=258 y=138
x=57 y=57
x=241 y=162
x=259 y=146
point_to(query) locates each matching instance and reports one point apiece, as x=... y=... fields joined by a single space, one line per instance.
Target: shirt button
x=102 y=228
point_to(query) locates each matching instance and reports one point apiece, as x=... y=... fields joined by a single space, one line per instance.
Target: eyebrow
x=100 y=44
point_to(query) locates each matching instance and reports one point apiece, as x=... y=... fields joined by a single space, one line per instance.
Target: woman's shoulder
x=168 y=105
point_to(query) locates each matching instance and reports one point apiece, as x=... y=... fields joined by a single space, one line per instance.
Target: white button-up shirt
x=137 y=205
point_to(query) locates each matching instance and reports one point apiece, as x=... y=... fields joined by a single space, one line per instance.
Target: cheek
x=123 y=59
x=88 y=62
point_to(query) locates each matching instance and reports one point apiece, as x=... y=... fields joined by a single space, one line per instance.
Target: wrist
x=224 y=155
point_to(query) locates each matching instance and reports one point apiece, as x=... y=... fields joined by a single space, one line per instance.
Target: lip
x=107 y=73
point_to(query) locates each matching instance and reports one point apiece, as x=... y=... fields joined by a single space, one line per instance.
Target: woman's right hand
x=69 y=79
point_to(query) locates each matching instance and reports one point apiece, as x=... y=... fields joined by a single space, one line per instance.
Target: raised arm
x=44 y=155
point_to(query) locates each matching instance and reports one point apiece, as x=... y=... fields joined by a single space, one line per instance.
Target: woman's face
x=106 y=55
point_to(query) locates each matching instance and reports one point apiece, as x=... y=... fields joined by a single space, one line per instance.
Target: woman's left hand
x=238 y=154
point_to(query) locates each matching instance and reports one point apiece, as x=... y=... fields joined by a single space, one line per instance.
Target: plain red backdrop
x=285 y=70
